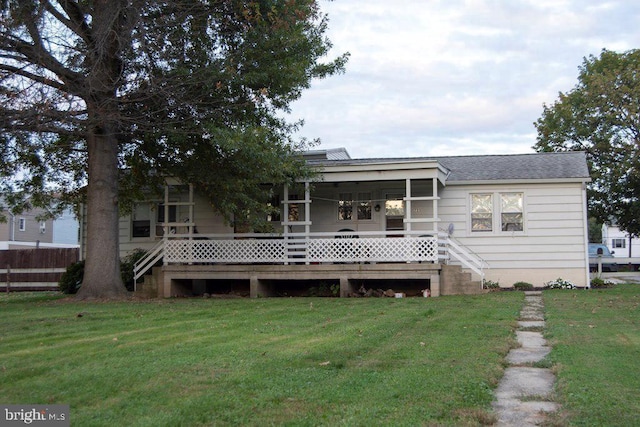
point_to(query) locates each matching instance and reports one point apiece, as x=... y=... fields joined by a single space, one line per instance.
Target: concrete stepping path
x=524 y=393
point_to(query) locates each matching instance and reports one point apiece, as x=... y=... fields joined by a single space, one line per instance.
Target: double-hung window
x=345 y=207
x=497 y=211
x=481 y=213
x=364 y=205
x=511 y=211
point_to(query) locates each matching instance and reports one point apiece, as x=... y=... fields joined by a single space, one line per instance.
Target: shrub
x=522 y=286
x=559 y=284
x=599 y=283
x=126 y=267
x=490 y=284
x=71 y=279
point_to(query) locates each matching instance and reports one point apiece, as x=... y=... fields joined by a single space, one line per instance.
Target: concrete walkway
x=524 y=393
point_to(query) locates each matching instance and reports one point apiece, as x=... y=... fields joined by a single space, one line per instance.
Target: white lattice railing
x=295 y=250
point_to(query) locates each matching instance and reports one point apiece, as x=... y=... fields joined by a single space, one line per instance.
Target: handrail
x=316 y=234
x=149 y=260
x=467 y=257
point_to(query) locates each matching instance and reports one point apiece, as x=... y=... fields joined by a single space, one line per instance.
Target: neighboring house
x=438 y=223
x=619 y=242
x=65 y=228
x=25 y=228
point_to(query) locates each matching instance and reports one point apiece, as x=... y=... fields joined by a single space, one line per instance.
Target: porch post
x=407 y=211
x=434 y=285
x=345 y=287
x=165 y=226
x=285 y=211
x=307 y=218
x=191 y=219
x=285 y=221
x=435 y=205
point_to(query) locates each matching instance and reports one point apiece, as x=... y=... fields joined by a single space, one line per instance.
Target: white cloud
x=463 y=76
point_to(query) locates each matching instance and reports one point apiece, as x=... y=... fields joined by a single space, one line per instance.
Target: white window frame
x=345 y=203
x=22 y=224
x=472 y=213
x=496 y=214
x=615 y=243
x=502 y=212
x=363 y=199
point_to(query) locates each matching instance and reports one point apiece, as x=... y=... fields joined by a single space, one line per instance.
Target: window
x=172 y=213
x=141 y=221
x=511 y=208
x=618 y=243
x=364 y=205
x=22 y=224
x=508 y=209
x=345 y=207
x=481 y=212
x=294 y=211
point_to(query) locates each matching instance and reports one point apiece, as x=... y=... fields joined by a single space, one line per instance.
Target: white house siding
x=552 y=244
x=204 y=217
x=631 y=247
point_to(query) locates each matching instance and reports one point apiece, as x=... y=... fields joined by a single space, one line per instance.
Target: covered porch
x=361 y=220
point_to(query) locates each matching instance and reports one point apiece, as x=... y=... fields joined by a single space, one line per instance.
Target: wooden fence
x=34 y=269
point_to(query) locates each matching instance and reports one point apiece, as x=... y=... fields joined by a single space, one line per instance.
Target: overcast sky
x=454 y=77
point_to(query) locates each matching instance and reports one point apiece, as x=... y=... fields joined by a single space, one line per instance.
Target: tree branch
x=75 y=22
x=34 y=77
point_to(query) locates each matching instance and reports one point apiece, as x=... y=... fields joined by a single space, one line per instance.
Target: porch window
x=511 y=211
x=294 y=211
x=141 y=221
x=364 y=205
x=345 y=207
x=172 y=213
x=173 y=209
x=481 y=212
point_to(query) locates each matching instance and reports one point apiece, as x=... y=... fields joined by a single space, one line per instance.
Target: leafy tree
x=99 y=99
x=594 y=228
x=600 y=116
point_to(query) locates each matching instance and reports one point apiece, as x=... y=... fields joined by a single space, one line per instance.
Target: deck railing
x=295 y=248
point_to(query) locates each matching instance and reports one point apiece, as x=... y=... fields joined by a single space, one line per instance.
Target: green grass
x=296 y=361
x=596 y=352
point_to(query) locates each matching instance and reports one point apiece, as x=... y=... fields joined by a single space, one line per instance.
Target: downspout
x=13 y=228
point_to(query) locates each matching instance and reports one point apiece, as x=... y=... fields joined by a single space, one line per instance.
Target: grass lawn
x=596 y=353
x=279 y=361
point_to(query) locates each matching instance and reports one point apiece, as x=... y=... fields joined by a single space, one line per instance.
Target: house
x=438 y=223
x=24 y=229
x=620 y=243
x=27 y=230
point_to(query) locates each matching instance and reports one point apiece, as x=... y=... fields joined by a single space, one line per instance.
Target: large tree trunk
x=102 y=278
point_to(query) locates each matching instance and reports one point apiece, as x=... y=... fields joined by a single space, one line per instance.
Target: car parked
x=601 y=253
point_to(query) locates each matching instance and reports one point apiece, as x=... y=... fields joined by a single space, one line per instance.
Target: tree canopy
x=600 y=116
x=101 y=99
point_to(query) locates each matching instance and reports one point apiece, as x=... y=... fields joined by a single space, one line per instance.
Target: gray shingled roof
x=514 y=167
x=565 y=165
